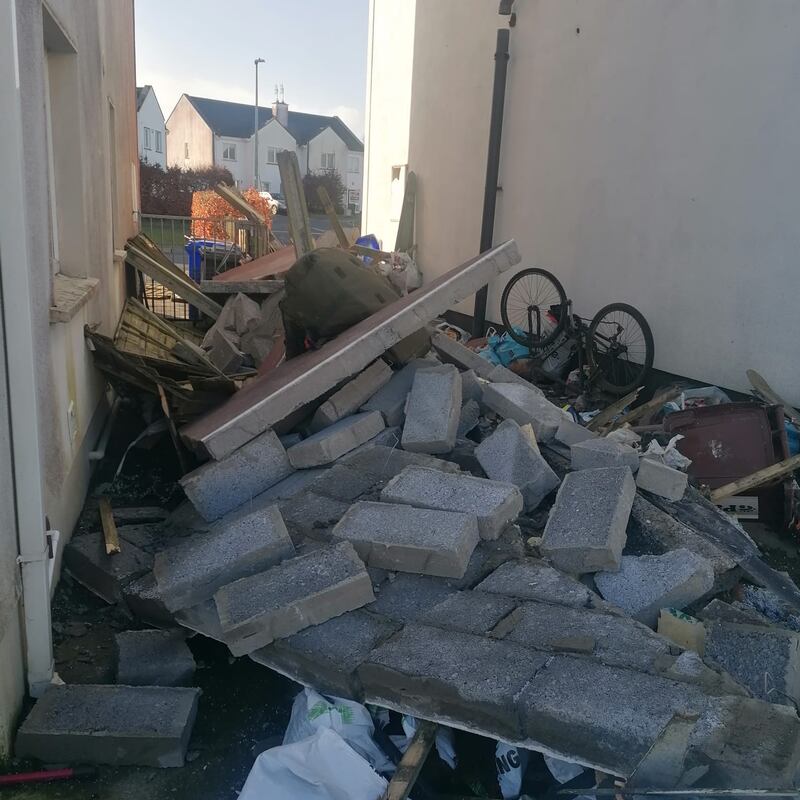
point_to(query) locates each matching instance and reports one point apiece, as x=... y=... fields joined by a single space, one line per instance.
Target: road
x=280 y=225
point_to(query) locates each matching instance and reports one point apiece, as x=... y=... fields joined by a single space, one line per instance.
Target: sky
x=316 y=48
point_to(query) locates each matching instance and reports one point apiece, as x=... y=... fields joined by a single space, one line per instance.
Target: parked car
x=281 y=200
x=273 y=203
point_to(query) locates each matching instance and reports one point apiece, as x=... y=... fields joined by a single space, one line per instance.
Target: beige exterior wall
x=649 y=156
x=186 y=126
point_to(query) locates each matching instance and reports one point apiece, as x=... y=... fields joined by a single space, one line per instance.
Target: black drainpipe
x=491 y=188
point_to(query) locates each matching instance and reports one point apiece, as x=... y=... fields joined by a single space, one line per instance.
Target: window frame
x=328 y=157
x=226 y=147
x=274 y=151
x=158 y=141
x=148 y=144
x=351 y=160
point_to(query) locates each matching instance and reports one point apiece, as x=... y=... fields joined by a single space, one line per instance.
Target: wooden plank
x=411 y=763
x=650 y=407
x=173 y=431
x=330 y=210
x=296 y=208
x=756 y=479
x=607 y=414
x=380 y=255
x=245 y=287
x=275 y=263
x=771 y=396
x=232 y=196
x=109 y=527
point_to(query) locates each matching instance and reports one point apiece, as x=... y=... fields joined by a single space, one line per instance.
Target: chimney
x=280 y=108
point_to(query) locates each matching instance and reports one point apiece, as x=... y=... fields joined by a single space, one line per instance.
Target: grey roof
x=141 y=93
x=236 y=120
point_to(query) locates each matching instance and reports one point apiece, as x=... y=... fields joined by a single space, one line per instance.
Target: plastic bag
x=321 y=767
x=511 y=764
x=502 y=349
x=311 y=712
x=669 y=455
x=444 y=740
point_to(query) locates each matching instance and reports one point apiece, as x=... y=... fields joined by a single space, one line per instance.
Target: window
x=186 y=150
x=328 y=161
x=148 y=142
x=229 y=152
x=272 y=155
x=353 y=164
x=159 y=145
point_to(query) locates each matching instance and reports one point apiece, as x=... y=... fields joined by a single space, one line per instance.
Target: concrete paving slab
x=570 y=433
x=508 y=455
x=433 y=410
x=469 y=612
x=644 y=585
x=525 y=406
x=656 y=477
x=586 y=530
x=312 y=515
x=593 y=453
x=408 y=539
x=495 y=504
x=302 y=591
x=145 y=726
x=336 y=440
x=406 y=597
x=154 y=658
x=390 y=400
x=383 y=463
x=218 y=487
x=241 y=543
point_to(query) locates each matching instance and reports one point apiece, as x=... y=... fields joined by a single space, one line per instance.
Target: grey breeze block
x=524 y=405
x=240 y=544
x=400 y=537
x=433 y=410
x=154 y=658
x=336 y=440
x=218 y=487
x=592 y=453
x=302 y=591
x=390 y=399
x=145 y=726
x=495 y=504
x=656 y=477
x=586 y=530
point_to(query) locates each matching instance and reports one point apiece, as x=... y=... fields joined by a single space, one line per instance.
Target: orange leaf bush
x=212 y=216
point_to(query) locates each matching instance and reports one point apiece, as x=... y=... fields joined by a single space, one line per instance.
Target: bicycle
x=615 y=348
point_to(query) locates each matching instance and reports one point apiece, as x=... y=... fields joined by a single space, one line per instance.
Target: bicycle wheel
x=620 y=346
x=534 y=308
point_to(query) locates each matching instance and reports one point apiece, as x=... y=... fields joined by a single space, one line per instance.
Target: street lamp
x=255 y=126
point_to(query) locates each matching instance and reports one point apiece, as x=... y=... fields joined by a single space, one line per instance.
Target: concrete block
x=719 y=611
x=495 y=504
x=655 y=476
x=432 y=410
x=326 y=656
x=223 y=350
x=644 y=585
x=343 y=482
x=146 y=726
x=501 y=374
x=154 y=658
x=586 y=529
x=312 y=515
x=297 y=482
x=469 y=612
x=352 y=395
x=390 y=400
x=142 y=598
x=570 y=433
x=302 y=591
x=468 y=418
x=453 y=352
x=524 y=405
x=399 y=537
x=593 y=453
x=221 y=486
x=473 y=679
x=388 y=437
x=335 y=440
x=765 y=660
x=471 y=387
x=383 y=463
x=106 y=576
x=508 y=455
x=531 y=579
x=406 y=597
x=683 y=629
x=241 y=543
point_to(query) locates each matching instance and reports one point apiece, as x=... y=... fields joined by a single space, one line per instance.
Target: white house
x=150 y=124
x=649 y=155
x=204 y=132
x=70 y=178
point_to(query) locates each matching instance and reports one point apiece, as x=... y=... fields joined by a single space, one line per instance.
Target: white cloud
x=351 y=116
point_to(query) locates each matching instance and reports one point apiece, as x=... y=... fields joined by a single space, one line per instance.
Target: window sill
x=70 y=295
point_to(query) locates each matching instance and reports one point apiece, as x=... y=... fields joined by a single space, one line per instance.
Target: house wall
x=242 y=167
x=326 y=141
x=354 y=180
x=649 y=156
x=184 y=125
x=150 y=116
x=273 y=134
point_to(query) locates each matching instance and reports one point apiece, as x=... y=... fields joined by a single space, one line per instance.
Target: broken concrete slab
x=656 y=477
x=593 y=453
x=469 y=612
x=383 y=463
x=145 y=726
x=495 y=504
x=336 y=440
x=644 y=585
x=106 y=576
x=586 y=529
x=570 y=432
x=143 y=600
x=408 y=539
x=270 y=398
x=508 y=455
x=405 y=597
x=390 y=400
x=719 y=611
x=524 y=406
x=765 y=660
x=241 y=543
x=221 y=486
x=453 y=352
x=326 y=656
x=352 y=395
x=468 y=418
x=433 y=410
x=312 y=515
x=471 y=387
x=154 y=658
x=302 y=591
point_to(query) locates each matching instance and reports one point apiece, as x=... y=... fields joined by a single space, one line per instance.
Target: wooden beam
x=109 y=527
x=756 y=479
x=232 y=196
x=607 y=414
x=378 y=255
x=245 y=287
x=296 y=208
x=410 y=765
x=650 y=407
x=330 y=210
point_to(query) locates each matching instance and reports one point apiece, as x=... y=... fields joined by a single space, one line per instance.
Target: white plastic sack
x=564 y=771
x=445 y=746
x=511 y=764
x=669 y=455
x=311 y=712
x=321 y=767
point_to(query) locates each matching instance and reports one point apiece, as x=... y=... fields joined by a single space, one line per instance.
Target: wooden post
x=756 y=479
x=296 y=209
x=109 y=527
x=410 y=765
x=330 y=210
x=607 y=414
